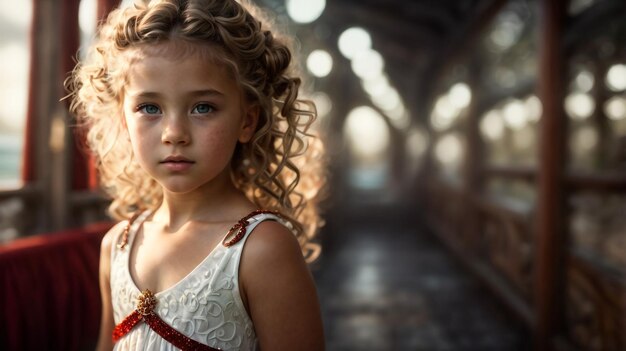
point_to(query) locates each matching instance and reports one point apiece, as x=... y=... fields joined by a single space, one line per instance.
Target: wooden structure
x=571 y=296
x=540 y=224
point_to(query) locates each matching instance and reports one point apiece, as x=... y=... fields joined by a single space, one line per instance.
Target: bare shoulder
x=272 y=241
x=278 y=290
x=105 y=251
x=111 y=235
x=106 y=245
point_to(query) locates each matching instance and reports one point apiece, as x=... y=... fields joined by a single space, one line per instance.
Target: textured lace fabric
x=205 y=305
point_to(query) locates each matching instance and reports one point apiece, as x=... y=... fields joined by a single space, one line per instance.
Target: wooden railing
x=502 y=253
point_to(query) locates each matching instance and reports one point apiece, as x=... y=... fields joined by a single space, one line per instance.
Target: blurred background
x=477 y=173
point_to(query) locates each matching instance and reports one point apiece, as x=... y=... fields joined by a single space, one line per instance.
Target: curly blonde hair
x=280 y=169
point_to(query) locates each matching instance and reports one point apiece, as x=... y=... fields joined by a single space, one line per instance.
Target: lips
x=177 y=163
x=176 y=159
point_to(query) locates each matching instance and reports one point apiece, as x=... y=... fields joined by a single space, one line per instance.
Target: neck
x=207 y=204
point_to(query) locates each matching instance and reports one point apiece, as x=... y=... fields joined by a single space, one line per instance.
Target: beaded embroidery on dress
x=205 y=305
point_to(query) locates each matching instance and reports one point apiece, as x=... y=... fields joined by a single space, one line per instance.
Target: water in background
x=11 y=147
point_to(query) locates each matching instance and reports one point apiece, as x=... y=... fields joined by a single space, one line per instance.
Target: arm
x=279 y=291
x=105 y=341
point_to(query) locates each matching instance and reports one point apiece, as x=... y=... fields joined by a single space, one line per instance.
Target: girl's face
x=184 y=116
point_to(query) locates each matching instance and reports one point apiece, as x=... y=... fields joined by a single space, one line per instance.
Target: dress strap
x=236 y=233
x=137 y=217
x=146 y=302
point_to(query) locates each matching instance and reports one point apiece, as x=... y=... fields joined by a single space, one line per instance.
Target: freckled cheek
x=219 y=143
x=143 y=142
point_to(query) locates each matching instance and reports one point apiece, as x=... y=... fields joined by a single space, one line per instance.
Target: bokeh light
x=377 y=85
x=460 y=95
x=305 y=11
x=444 y=113
x=388 y=100
x=492 y=125
x=584 y=81
x=534 y=108
x=577 y=6
x=514 y=113
x=354 y=40
x=319 y=63
x=616 y=77
x=416 y=143
x=449 y=149
x=615 y=108
x=506 y=32
x=367 y=132
x=579 y=105
x=399 y=116
x=367 y=64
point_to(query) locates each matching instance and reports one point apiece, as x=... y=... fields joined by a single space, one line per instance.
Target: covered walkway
x=477 y=163
x=386 y=283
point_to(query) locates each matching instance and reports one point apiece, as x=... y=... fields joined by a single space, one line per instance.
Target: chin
x=178 y=188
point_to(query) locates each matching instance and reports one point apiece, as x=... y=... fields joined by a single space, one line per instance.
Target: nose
x=176 y=130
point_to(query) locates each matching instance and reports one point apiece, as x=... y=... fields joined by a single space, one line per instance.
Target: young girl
x=194 y=118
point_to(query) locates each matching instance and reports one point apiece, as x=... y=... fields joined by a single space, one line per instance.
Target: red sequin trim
x=145 y=310
x=127 y=324
x=239 y=229
x=173 y=336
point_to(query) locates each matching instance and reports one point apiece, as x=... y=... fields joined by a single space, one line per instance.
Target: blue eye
x=149 y=109
x=203 y=108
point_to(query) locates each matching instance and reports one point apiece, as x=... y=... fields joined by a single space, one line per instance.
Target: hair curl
x=279 y=169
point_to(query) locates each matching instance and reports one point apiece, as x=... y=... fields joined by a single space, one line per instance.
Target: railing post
x=474 y=164
x=550 y=225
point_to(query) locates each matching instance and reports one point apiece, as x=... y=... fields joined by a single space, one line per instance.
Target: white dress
x=205 y=305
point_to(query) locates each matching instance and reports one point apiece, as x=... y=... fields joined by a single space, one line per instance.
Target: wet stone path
x=385 y=285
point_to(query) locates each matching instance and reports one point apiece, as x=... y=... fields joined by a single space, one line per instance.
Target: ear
x=250 y=121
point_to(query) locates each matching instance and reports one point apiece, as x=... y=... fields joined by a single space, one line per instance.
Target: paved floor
x=388 y=285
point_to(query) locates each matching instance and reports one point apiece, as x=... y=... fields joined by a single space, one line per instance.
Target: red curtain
x=49 y=291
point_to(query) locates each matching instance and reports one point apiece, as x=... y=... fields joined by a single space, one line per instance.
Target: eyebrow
x=195 y=93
